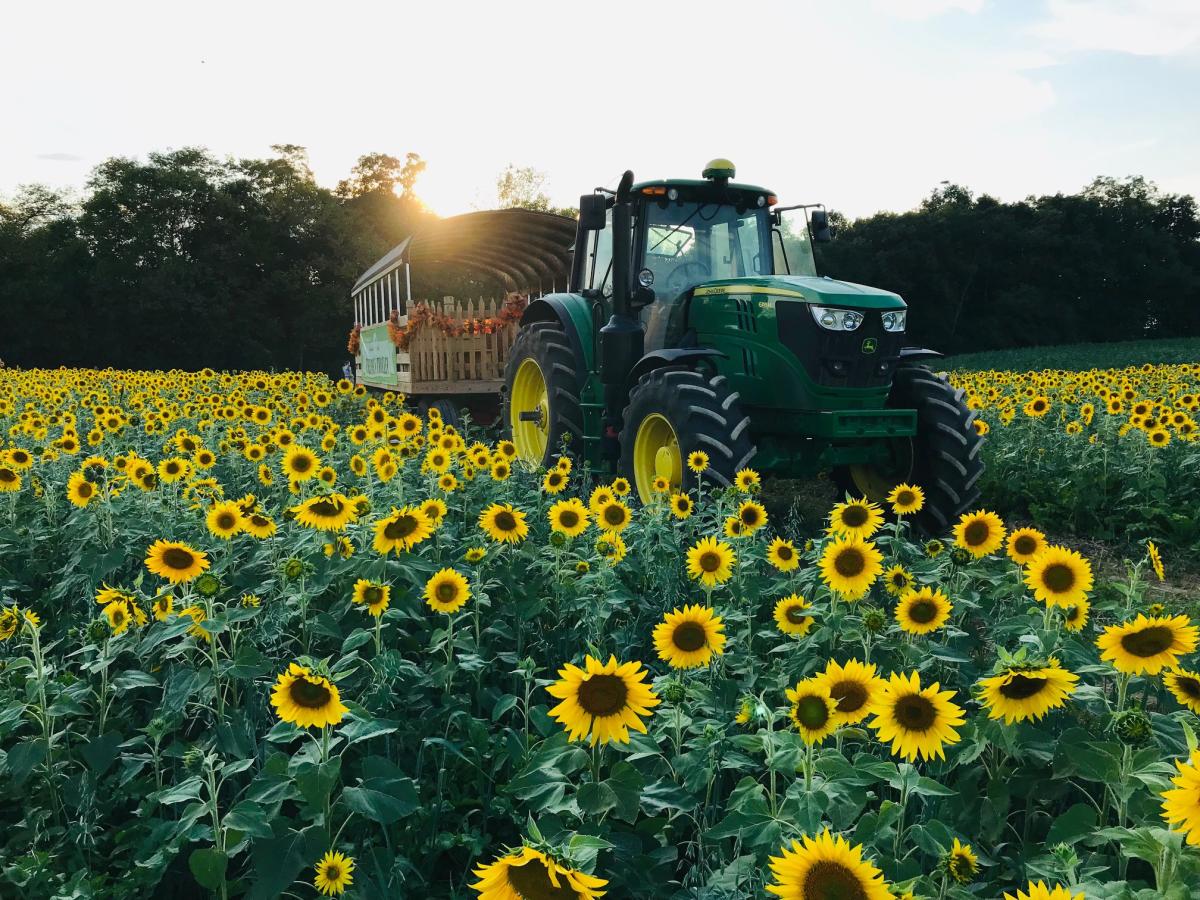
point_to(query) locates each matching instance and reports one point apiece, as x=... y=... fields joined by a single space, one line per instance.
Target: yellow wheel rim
x=531 y=432
x=656 y=453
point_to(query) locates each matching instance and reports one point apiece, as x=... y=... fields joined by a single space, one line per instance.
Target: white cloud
x=917 y=10
x=1138 y=27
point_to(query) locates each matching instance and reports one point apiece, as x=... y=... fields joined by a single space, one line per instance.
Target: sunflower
x=850 y=566
x=162 y=606
x=1156 y=560
x=906 y=499
x=10 y=479
x=475 y=554
x=402 y=530
x=681 y=506
x=529 y=874
x=299 y=463
x=446 y=591
x=814 y=711
x=1181 y=805
x=307 y=699
x=333 y=873
x=687 y=638
x=374 y=595
x=603 y=700
x=1059 y=577
x=854 y=688
x=118 y=616
x=823 y=868
x=613 y=516
x=979 y=533
x=752 y=515
x=916 y=720
x=710 y=562
x=898 y=581
x=697 y=461
x=175 y=561
x=782 y=555
x=435 y=510
x=747 y=480
x=1185 y=685
x=173 y=469
x=10 y=620
x=855 y=518
x=1024 y=693
x=791 y=617
x=330 y=512
x=80 y=491
x=1077 y=616
x=554 y=482
x=961 y=863
x=259 y=525
x=734 y=527
x=1024 y=544
x=569 y=517
x=224 y=519
x=503 y=522
x=934 y=548
x=923 y=611
x=1147 y=646
x=1039 y=891
x=611 y=547
x=599 y=497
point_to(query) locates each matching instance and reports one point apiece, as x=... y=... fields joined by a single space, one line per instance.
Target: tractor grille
x=836 y=358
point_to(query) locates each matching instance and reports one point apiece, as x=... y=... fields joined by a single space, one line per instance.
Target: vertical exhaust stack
x=622 y=340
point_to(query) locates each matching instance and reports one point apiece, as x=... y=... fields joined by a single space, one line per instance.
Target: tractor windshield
x=685 y=243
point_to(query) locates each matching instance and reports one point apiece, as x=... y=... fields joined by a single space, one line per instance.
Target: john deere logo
x=869 y=345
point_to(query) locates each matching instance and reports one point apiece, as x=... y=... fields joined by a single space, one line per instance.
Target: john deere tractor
x=695 y=320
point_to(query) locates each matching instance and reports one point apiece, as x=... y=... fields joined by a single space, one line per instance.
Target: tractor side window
x=750 y=244
x=724 y=257
x=600 y=272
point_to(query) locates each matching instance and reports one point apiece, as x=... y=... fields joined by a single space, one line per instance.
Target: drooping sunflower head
x=791 y=615
x=1185 y=685
x=446 y=591
x=906 y=499
x=530 y=874
x=710 y=561
x=504 y=523
x=850 y=566
x=1024 y=544
x=979 y=533
x=824 y=868
x=854 y=688
x=855 y=518
x=402 y=530
x=175 y=561
x=916 y=720
x=569 y=517
x=923 y=611
x=1146 y=646
x=782 y=555
x=688 y=638
x=813 y=710
x=327 y=512
x=307 y=699
x=961 y=863
x=602 y=701
x=1156 y=562
x=1059 y=577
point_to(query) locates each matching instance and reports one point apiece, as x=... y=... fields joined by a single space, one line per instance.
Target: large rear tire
x=540 y=396
x=942 y=459
x=673 y=412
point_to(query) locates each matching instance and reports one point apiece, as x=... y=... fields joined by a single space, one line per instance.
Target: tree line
x=184 y=260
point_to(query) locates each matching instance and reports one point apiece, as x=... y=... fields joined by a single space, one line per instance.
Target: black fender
x=914 y=354
x=676 y=356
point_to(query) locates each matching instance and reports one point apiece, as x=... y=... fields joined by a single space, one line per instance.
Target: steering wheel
x=681 y=279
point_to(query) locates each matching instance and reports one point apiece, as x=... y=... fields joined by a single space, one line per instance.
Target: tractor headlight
x=836 y=319
x=895 y=320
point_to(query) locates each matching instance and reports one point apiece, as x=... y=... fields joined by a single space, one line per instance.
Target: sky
x=863 y=105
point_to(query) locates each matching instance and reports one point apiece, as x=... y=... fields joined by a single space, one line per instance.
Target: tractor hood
x=823 y=291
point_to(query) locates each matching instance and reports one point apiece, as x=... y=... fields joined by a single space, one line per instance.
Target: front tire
x=541 y=382
x=942 y=459
x=673 y=412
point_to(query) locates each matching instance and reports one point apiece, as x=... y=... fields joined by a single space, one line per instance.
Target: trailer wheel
x=673 y=412
x=446 y=409
x=942 y=458
x=540 y=396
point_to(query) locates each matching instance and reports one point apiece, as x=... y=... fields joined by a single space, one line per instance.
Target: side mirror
x=591 y=212
x=818 y=226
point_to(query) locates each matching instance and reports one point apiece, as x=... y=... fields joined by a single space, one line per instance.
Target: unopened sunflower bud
x=673 y=691
x=1134 y=728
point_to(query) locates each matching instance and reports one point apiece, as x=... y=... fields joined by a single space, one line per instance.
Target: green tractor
x=695 y=320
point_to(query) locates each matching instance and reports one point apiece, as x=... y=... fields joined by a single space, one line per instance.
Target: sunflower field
x=264 y=635
x=1101 y=453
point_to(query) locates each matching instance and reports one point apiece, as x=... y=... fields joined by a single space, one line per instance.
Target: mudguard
x=677 y=356
x=574 y=313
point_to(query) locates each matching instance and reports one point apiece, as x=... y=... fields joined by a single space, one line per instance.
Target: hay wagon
x=444 y=350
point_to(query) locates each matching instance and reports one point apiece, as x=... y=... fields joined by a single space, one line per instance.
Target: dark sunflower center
x=750 y=516
x=614 y=515
x=849 y=562
x=960 y=868
x=400 y=528
x=899 y=579
x=976 y=533
x=259 y=521
x=446 y=592
x=906 y=498
x=555 y=479
x=1025 y=544
x=225 y=521
x=812 y=712
x=178 y=558
x=7 y=475
x=855 y=516
x=118 y=616
x=531 y=882
x=1039 y=405
x=373 y=594
x=568 y=518
x=309 y=694
x=710 y=561
x=1073 y=613
x=795 y=614
x=681 y=504
x=603 y=695
x=833 y=881
x=326 y=506
x=1189 y=686
x=172 y=468
x=1058 y=578
x=851 y=696
x=333 y=872
x=301 y=464
x=1149 y=641
x=505 y=521
x=690 y=636
x=915 y=713
x=1021 y=687
x=923 y=611
x=784 y=552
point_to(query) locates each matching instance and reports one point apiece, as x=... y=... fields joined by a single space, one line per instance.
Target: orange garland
x=422 y=314
x=355 y=341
